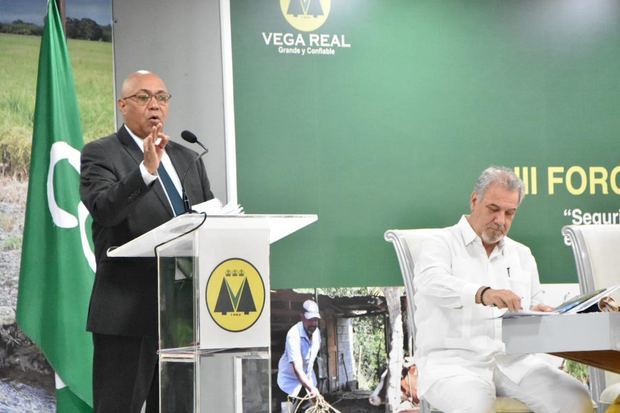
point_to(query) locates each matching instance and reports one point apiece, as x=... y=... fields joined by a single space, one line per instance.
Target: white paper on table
x=214 y=207
x=527 y=313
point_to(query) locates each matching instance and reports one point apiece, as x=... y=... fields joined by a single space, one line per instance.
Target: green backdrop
x=418 y=97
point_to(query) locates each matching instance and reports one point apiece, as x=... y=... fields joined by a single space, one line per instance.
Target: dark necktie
x=171 y=190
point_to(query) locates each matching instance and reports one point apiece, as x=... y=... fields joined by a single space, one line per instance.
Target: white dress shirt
x=302 y=351
x=454 y=335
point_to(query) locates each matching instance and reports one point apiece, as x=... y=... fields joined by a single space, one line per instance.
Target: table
x=592 y=338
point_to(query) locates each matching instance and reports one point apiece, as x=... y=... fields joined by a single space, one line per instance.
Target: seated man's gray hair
x=498 y=175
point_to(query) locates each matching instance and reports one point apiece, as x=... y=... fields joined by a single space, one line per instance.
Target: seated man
x=463 y=275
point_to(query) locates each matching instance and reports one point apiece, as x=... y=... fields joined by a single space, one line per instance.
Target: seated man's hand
x=542 y=307
x=502 y=299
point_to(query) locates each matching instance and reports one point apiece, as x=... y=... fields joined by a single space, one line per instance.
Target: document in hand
x=584 y=303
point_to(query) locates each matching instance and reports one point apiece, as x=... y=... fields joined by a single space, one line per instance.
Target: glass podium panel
x=176 y=384
x=255 y=382
x=215 y=382
x=177 y=312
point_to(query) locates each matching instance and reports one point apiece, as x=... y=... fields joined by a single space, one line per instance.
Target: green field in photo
x=19 y=58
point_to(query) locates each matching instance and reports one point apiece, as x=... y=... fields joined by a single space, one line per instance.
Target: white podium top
x=279 y=226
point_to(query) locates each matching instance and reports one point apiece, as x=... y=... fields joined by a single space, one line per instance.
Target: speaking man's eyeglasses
x=143 y=98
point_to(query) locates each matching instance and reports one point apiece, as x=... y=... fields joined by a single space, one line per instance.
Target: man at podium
x=131 y=182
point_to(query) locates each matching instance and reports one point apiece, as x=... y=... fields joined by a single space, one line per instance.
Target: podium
x=214 y=312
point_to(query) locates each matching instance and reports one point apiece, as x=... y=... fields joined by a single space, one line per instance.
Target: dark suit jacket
x=124 y=296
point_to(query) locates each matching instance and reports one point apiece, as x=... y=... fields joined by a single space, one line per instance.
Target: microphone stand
x=191 y=138
x=186 y=204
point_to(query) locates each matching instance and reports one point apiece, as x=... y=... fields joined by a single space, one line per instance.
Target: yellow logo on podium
x=235 y=295
x=305 y=15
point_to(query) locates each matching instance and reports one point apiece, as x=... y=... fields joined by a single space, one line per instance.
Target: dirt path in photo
x=26 y=380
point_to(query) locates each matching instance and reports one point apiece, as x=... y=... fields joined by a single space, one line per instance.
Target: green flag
x=57 y=263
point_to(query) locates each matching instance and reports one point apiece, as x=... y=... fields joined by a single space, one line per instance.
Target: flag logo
x=235 y=295
x=305 y=15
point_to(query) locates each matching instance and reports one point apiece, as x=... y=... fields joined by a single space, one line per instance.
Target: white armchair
x=597 y=257
x=403 y=241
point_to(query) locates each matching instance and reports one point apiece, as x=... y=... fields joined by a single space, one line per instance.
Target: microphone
x=191 y=138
